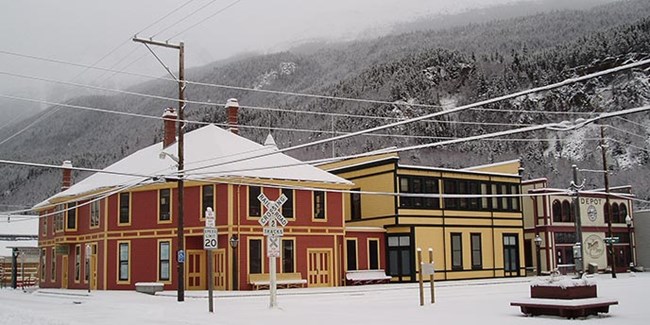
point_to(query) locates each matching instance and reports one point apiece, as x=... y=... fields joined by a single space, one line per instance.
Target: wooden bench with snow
x=359 y=277
x=569 y=308
x=149 y=287
x=283 y=280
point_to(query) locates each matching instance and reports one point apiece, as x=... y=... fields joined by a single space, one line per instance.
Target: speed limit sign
x=210 y=238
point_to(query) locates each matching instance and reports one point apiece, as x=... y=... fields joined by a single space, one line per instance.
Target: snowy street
x=460 y=302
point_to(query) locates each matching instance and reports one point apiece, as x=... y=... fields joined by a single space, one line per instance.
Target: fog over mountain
x=437 y=61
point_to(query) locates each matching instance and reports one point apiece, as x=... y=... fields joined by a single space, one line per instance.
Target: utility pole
x=181 y=106
x=610 y=242
x=579 y=260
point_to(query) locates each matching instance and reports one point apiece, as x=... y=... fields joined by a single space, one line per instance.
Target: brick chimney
x=232 y=108
x=67 y=175
x=170 y=118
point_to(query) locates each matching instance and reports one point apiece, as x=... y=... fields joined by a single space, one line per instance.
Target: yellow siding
x=420 y=221
x=468 y=222
x=418 y=212
x=455 y=213
x=508 y=167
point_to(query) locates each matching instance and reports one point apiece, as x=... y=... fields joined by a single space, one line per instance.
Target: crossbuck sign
x=272 y=217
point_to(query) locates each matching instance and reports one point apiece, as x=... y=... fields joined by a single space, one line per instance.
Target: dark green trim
x=369 y=175
x=446 y=225
x=371 y=218
x=372 y=164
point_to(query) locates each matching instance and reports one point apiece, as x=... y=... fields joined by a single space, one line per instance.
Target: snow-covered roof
x=210 y=152
x=18 y=225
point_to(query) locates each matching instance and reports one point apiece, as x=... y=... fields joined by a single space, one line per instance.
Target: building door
x=93 y=269
x=319 y=273
x=400 y=263
x=510 y=255
x=64 y=272
x=219 y=260
x=195 y=269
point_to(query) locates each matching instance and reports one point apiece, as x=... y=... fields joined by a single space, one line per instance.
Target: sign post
x=273 y=233
x=426 y=269
x=210 y=243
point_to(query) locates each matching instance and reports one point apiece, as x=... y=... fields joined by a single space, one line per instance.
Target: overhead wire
x=261 y=108
x=469 y=106
x=204 y=19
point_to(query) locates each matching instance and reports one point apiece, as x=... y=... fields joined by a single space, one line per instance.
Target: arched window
x=615 y=214
x=572 y=212
x=566 y=211
x=557 y=211
x=622 y=212
x=606 y=212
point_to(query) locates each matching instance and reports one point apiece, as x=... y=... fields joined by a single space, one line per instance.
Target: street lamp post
x=538 y=243
x=234 y=241
x=628 y=222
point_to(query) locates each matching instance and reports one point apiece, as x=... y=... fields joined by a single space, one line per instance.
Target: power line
x=182 y=19
x=204 y=19
x=358 y=100
x=292 y=111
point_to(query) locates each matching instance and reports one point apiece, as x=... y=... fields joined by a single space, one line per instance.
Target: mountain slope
x=441 y=68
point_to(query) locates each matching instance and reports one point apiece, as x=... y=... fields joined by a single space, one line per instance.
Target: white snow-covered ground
x=459 y=302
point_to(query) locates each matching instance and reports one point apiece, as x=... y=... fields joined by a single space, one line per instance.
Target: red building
x=127 y=217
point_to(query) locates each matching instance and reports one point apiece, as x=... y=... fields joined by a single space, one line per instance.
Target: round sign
x=594 y=246
x=592 y=213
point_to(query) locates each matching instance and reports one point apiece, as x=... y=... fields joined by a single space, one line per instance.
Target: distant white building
x=19 y=237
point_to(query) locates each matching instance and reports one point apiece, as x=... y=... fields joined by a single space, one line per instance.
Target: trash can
x=592 y=268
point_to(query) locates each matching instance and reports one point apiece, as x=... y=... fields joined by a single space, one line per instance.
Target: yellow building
x=471 y=218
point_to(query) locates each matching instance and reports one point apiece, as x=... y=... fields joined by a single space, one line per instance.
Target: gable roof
x=210 y=152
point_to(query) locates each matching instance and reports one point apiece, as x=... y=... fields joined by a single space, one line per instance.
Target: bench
x=283 y=280
x=359 y=277
x=149 y=287
x=569 y=308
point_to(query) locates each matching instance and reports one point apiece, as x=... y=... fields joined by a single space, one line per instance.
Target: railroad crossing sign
x=272 y=210
x=273 y=246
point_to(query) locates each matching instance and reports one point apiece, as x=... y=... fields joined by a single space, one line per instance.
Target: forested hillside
x=440 y=69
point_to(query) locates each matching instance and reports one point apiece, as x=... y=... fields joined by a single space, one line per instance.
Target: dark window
x=451 y=188
x=254 y=204
x=456 y=251
x=351 y=253
x=615 y=213
x=355 y=202
x=419 y=185
x=494 y=190
x=72 y=215
x=125 y=207
x=287 y=256
x=566 y=211
x=164 y=205
x=462 y=189
x=477 y=255
x=373 y=251
x=474 y=189
x=565 y=238
x=607 y=211
x=287 y=207
x=124 y=262
x=510 y=253
x=255 y=256
x=399 y=255
x=207 y=198
x=557 y=211
x=319 y=205
x=77 y=263
x=164 y=266
x=622 y=212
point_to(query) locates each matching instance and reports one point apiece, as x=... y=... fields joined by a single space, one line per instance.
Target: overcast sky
x=83 y=31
